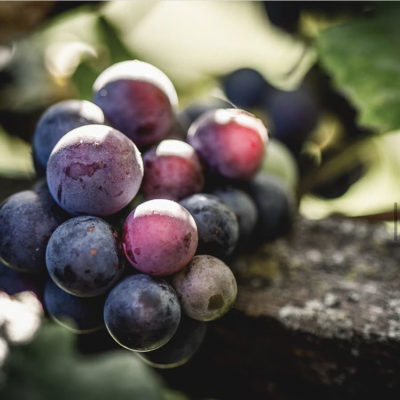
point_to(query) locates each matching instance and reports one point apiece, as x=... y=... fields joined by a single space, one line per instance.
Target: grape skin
x=142 y=313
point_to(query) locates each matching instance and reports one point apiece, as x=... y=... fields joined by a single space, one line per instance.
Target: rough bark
x=317 y=316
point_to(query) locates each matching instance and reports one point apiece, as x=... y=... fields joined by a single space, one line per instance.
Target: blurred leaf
x=194 y=40
x=364 y=60
x=48 y=369
x=376 y=192
x=109 y=37
x=16 y=159
x=83 y=77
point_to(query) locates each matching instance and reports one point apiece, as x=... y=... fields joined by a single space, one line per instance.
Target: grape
x=142 y=313
x=94 y=170
x=83 y=256
x=80 y=315
x=27 y=220
x=245 y=87
x=138 y=99
x=243 y=207
x=293 y=116
x=172 y=171
x=196 y=109
x=159 y=237
x=13 y=282
x=181 y=348
x=231 y=142
x=275 y=205
x=206 y=288
x=58 y=120
x=217 y=224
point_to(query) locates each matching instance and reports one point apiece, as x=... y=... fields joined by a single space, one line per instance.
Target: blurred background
x=305 y=68
x=323 y=76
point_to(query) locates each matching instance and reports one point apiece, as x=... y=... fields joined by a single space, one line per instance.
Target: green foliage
x=363 y=58
x=48 y=368
x=15 y=160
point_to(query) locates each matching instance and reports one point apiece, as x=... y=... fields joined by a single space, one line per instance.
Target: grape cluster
x=137 y=243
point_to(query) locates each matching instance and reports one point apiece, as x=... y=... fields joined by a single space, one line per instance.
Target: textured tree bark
x=317 y=316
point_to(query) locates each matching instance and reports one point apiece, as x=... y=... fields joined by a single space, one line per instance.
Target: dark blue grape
x=81 y=315
x=142 y=313
x=83 y=256
x=293 y=116
x=243 y=207
x=275 y=204
x=181 y=348
x=58 y=120
x=246 y=88
x=217 y=225
x=27 y=220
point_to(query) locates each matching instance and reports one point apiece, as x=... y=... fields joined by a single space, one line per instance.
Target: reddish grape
x=172 y=171
x=138 y=99
x=231 y=142
x=159 y=237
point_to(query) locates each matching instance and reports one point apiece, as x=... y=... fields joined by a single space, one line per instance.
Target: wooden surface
x=317 y=316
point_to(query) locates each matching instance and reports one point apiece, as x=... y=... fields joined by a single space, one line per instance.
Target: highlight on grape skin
x=181 y=348
x=138 y=99
x=77 y=314
x=94 y=170
x=172 y=171
x=230 y=142
x=83 y=256
x=206 y=288
x=159 y=237
x=142 y=313
x=217 y=224
x=27 y=220
x=58 y=120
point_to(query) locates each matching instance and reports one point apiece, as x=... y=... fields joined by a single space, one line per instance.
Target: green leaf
x=47 y=369
x=16 y=159
x=375 y=193
x=195 y=40
x=364 y=60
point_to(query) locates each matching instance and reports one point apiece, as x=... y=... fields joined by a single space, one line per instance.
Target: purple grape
x=181 y=348
x=83 y=256
x=142 y=313
x=217 y=224
x=138 y=99
x=159 y=237
x=58 y=120
x=27 y=220
x=77 y=314
x=243 y=207
x=206 y=288
x=172 y=171
x=231 y=142
x=94 y=170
